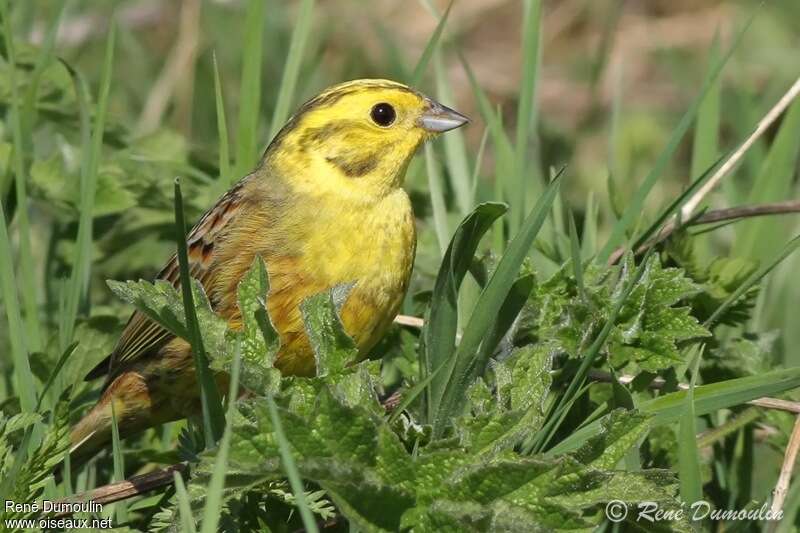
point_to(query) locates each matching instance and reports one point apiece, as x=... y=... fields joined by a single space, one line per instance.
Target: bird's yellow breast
x=369 y=245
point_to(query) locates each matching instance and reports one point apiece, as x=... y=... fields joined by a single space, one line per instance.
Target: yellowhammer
x=324 y=207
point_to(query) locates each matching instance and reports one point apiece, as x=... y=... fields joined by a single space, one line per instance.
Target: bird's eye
x=383 y=114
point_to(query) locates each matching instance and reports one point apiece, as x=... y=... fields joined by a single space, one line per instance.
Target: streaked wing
x=141 y=335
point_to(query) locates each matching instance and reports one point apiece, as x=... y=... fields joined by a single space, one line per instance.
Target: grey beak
x=439 y=118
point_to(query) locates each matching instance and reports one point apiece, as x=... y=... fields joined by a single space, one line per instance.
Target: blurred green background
x=611 y=83
x=613 y=79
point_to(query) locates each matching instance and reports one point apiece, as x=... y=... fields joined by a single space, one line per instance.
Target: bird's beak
x=438 y=118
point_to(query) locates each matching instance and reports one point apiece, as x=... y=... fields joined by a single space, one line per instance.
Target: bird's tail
x=92 y=434
x=135 y=408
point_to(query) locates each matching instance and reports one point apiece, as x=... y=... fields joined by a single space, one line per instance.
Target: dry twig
x=710 y=217
x=129 y=488
x=762 y=126
x=789 y=459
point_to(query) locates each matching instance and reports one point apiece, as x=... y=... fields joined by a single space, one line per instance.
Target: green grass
x=213 y=417
x=537 y=361
x=250 y=89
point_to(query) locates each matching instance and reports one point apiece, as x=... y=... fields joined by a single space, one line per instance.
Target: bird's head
x=359 y=136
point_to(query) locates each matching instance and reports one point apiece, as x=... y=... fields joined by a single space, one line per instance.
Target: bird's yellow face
x=358 y=137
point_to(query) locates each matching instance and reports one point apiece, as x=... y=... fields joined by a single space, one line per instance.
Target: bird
x=324 y=207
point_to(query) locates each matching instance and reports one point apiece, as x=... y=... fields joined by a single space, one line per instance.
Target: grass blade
x=222 y=128
x=250 y=90
x=439 y=334
x=213 y=418
x=289 y=466
x=16 y=329
x=488 y=306
x=436 y=192
x=291 y=70
x=508 y=313
x=691 y=485
x=43 y=60
x=430 y=48
x=26 y=265
x=54 y=373
x=634 y=208
x=589 y=233
x=184 y=507
x=773 y=183
x=120 y=507
x=455 y=149
x=705 y=143
x=79 y=279
x=675 y=207
x=575 y=251
x=669 y=408
x=217 y=483
x=476 y=171
x=526 y=111
x=504 y=152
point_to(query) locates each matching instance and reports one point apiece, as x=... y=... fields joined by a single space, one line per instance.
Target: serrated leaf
x=494 y=424
x=160 y=301
x=622 y=429
x=258 y=338
x=333 y=348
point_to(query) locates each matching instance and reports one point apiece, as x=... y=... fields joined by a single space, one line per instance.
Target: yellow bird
x=325 y=206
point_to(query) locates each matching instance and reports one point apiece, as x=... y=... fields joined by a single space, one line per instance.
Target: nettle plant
x=520 y=421
x=546 y=380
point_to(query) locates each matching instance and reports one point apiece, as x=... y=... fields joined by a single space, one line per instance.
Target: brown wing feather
x=143 y=336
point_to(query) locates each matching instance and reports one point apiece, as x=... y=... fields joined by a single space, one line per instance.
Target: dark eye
x=382 y=114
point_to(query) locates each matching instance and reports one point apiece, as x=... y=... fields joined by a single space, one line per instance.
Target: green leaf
x=441 y=320
x=258 y=338
x=505 y=158
x=649 y=326
x=488 y=306
x=621 y=431
x=27 y=282
x=92 y=151
x=507 y=315
x=493 y=424
x=159 y=301
x=334 y=350
x=721 y=278
x=216 y=485
x=290 y=467
x=187 y=519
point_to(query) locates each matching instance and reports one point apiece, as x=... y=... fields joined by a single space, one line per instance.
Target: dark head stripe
x=327 y=99
x=355 y=167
